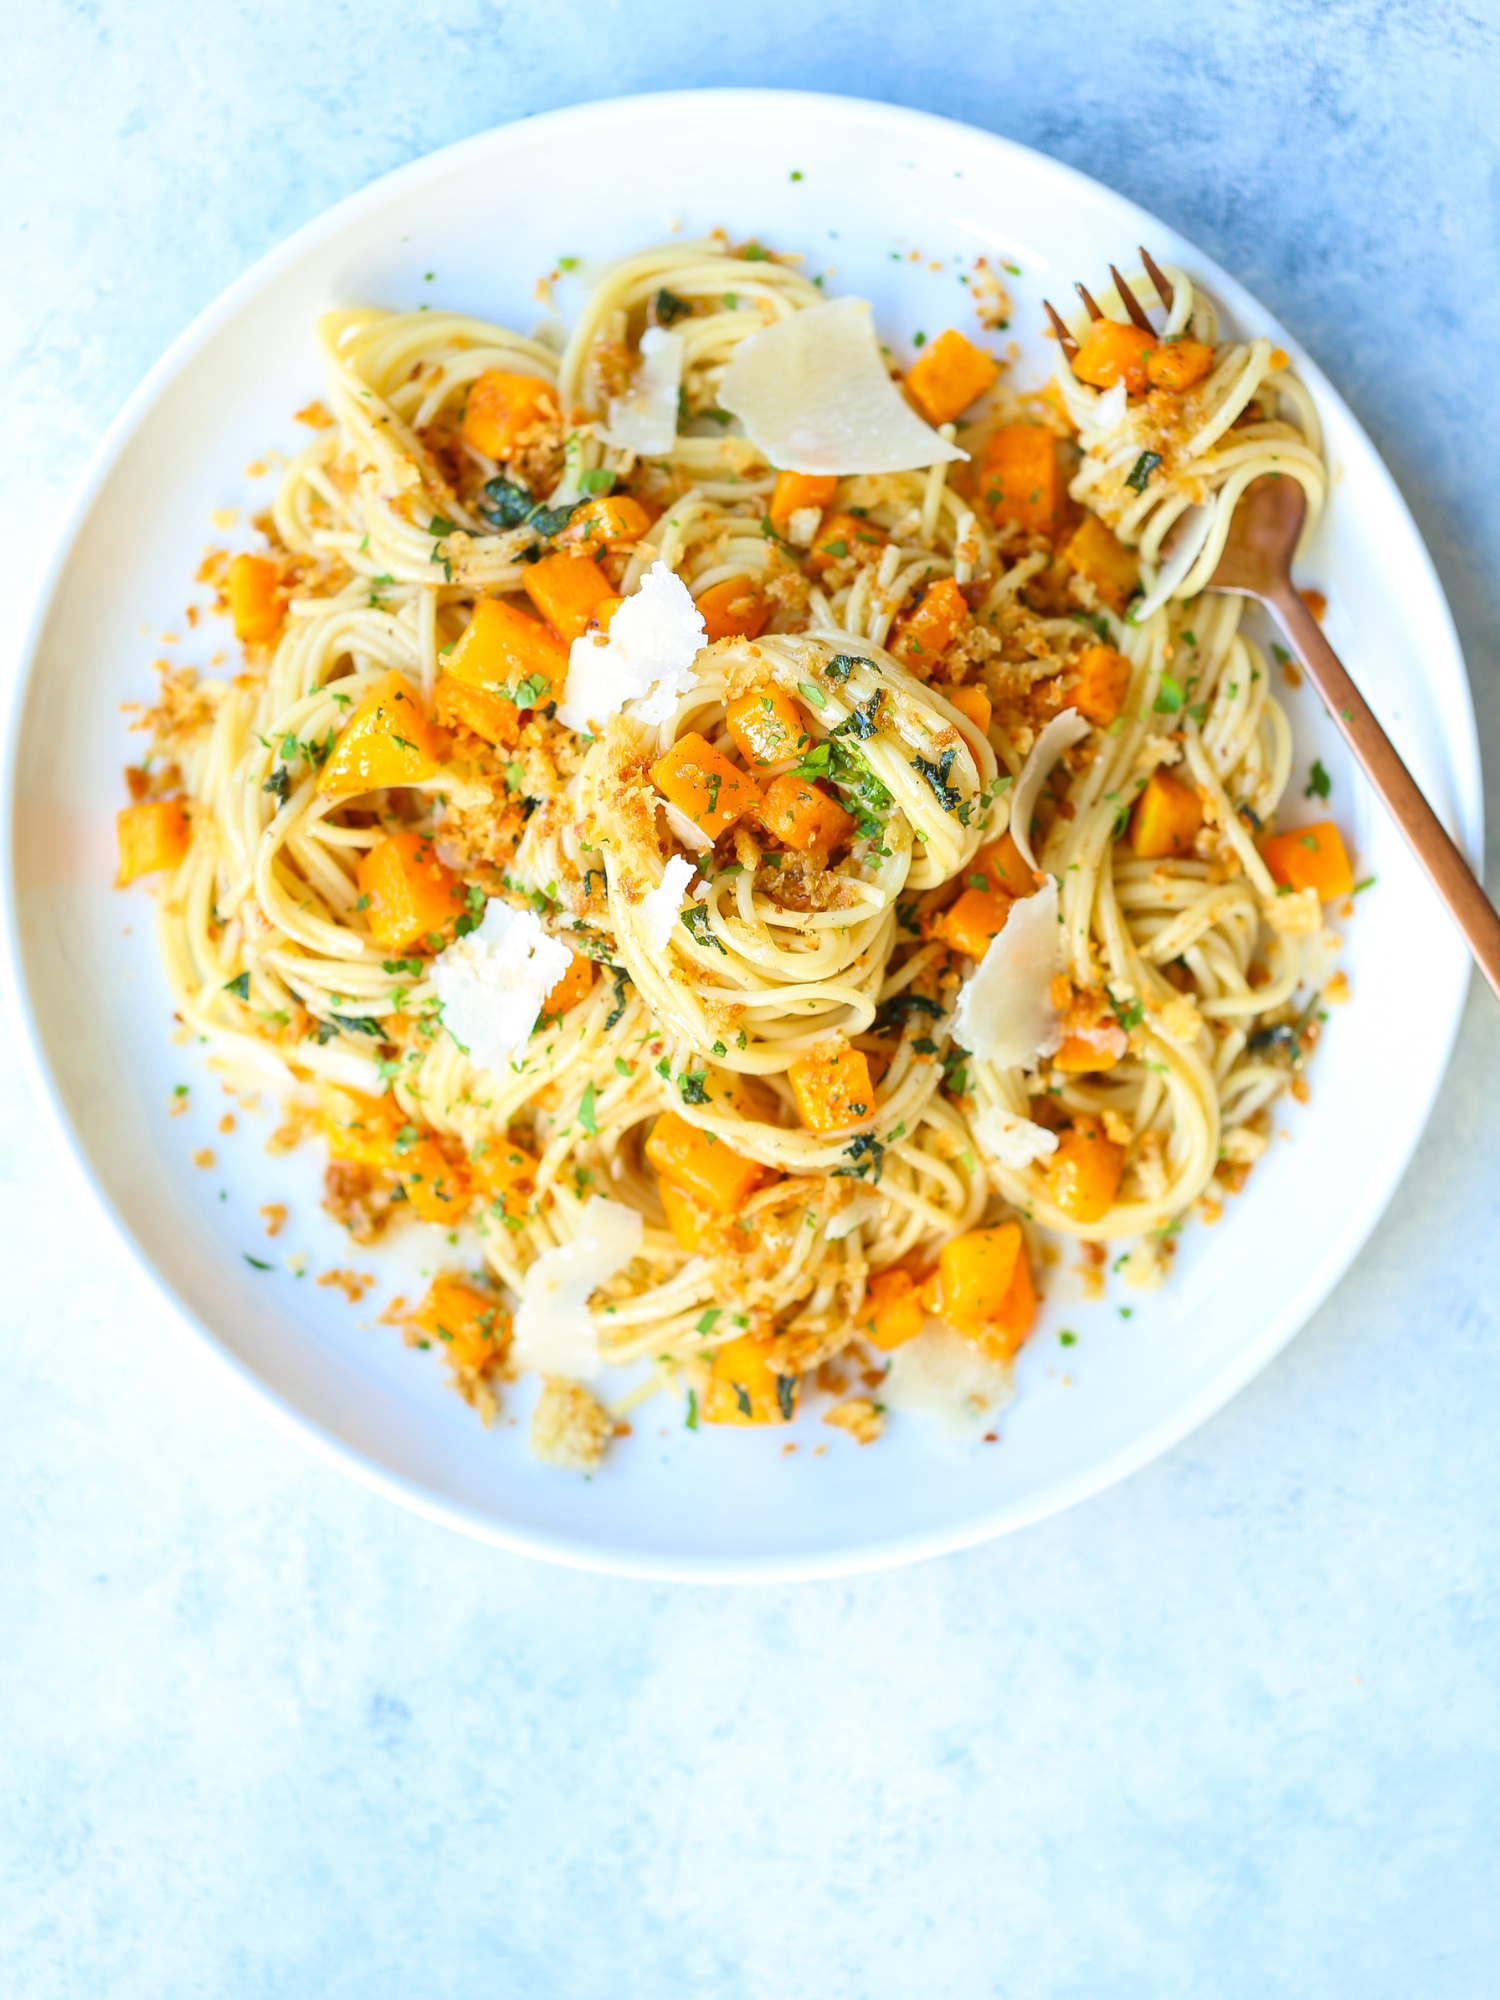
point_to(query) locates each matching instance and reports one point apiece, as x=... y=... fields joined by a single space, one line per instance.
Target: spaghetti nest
x=919 y=634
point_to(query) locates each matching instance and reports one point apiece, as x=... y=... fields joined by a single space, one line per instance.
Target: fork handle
x=1450 y=874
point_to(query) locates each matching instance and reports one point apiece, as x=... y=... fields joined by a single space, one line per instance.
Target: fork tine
x=1157 y=276
x=1131 y=303
x=1065 y=339
x=1093 y=309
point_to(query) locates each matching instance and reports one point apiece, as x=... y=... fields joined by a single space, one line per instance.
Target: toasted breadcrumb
x=275 y=1215
x=204 y=1157
x=353 y=1284
x=862 y=1419
x=568 y=1428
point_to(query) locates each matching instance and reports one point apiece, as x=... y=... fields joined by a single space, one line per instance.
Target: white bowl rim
x=577 y=1552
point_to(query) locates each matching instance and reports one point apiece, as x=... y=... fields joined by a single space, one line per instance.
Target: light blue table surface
x=1233 y=1728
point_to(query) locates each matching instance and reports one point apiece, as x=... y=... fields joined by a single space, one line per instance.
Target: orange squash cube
x=155 y=834
x=895 y=1312
x=1000 y=863
x=1311 y=857
x=575 y=985
x=358 y=1128
x=507 y=653
x=503 y=409
x=601 y=523
x=1018 y=479
x=506 y=1175
x=744 y=1387
x=795 y=493
x=803 y=816
x=974 y=703
x=435 y=1188
x=767 y=726
x=1095 y=551
x=567 y=590
x=1179 y=364
x=257 y=602
x=454 y=702
x=737 y=608
x=472 y=1326
x=832 y=1087
x=974 y=920
x=930 y=627
x=982 y=1287
x=948 y=375
x=843 y=538
x=387 y=741
x=412 y=896
x=1103 y=682
x=1083 y=1175
x=704 y=785
x=1165 y=819
x=1112 y=351
x=702 y=1166
x=686 y=1220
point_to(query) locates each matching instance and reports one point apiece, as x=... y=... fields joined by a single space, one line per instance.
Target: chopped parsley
x=1142 y=470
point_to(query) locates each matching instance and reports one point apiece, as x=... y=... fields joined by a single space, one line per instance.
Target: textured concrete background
x=1233 y=1728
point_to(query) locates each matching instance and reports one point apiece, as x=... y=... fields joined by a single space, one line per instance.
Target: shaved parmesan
x=646 y=657
x=645 y=419
x=661 y=906
x=941 y=1376
x=492 y=983
x=1061 y=732
x=554 y=1331
x=814 y=393
x=684 y=831
x=1005 y=1013
x=1012 y=1141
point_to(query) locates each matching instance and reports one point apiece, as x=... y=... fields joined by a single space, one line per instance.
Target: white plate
x=892 y=205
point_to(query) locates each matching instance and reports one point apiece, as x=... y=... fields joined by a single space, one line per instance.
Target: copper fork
x=1257 y=562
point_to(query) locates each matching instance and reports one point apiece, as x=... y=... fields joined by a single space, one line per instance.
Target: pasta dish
x=754 y=846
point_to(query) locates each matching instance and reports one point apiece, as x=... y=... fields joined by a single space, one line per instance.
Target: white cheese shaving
x=942 y=1376
x=660 y=907
x=1012 y=1141
x=645 y=418
x=1061 y=732
x=684 y=830
x=1005 y=1013
x=646 y=657
x=814 y=393
x=554 y=1332
x=492 y=983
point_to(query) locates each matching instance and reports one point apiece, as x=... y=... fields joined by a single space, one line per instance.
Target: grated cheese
x=661 y=906
x=645 y=418
x=944 y=1377
x=554 y=1331
x=1012 y=1141
x=492 y=983
x=1005 y=1013
x=646 y=657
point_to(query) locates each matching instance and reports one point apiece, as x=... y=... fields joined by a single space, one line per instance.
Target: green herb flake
x=1319 y=784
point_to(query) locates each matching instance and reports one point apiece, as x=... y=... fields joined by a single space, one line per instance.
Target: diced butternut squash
x=435 y=1188
x=509 y=654
x=795 y=493
x=1083 y=1175
x=767 y=726
x=1001 y=865
x=1114 y=351
x=505 y=1174
x=1165 y=819
x=737 y=608
x=359 y=1128
x=601 y=523
x=1311 y=857
x=974 y=703
x=504 y=409
x=412 y=896
x=1018 y=481
x=832 y=1087
x=567 y=590
x=948 y=375
x=930 y=627
x=982 y=1287
x=575 y=985
x=701 y=1165
x=387 y=741
x=155 y=834
x=974 y=920
x=454 y=702
x=744 y=1387
x=604 y=611
x=1103 y=682
x=843 y=538
x=1179 y=364
x=687 y=1221
x=894 y=1311
x=704 y=785
x=257 y=603
x=472 y=1326
x=1095 y=551
x=801 y=815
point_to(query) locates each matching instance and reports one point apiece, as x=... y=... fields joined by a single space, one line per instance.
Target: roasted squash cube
x=744 y=1386
x=832 y=1087
x=1165 y=819
x=412 y=896
x=387 y=741
x=948 y=375
x=154 y=834
x=1310 y=857
x=737 y=608
x=703 y=784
